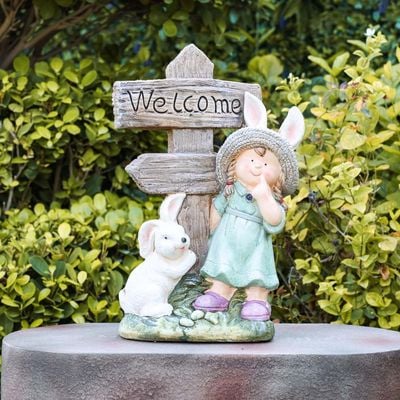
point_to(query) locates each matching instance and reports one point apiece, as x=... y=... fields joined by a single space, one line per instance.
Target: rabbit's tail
x=125 y=304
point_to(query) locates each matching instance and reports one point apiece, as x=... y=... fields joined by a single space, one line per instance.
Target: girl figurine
x=255 y=167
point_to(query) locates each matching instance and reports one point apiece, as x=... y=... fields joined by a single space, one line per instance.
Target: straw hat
x=282 y=144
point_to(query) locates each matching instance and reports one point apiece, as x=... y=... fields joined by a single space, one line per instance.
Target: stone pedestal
x=307 y=361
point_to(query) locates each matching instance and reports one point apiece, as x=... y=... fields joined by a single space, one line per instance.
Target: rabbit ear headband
x=256 y=134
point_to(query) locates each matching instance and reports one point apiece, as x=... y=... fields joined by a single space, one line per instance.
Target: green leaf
x=321 y=62
x=78 y=318
x=16 y=108
x=22 y=82
x=340 y=63
x=116 y=282
x=56 y=63
x=72 y=129
x=395 y=321
x=135 y=216
x=23 y=280
x=359 y=44
x=71 y=76
x=42 y=69
x=8 y=126
x=11 y=279
x=43 y=132
x=64 y=230
x=36 y=323
x=71 y=114
x=21 y=64
x=99 y=202
x=53 y=86
x=314 y=161
x=61 y=269
x=351 y=140
x=47 y=8
x=28 y=291
x=82 y=276
x=89 y=78
x=336 y=203
x=309 y=278
x=170 y=28
x=43 y=294
x=388 y=244
x=99 y=114
x=374 y=299
x=328 y=307
x=39 y=265
x=85 y=63
x=8 y=301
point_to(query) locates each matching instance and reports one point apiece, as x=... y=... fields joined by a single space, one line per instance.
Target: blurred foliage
x=343 y=228
x=231 y=32
x=57 y=137
x=70 y=214
x=28 y=26
x=68 y=264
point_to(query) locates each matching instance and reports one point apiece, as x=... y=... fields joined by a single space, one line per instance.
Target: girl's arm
x=217 y=209
x=215 y=218
x=270 y=210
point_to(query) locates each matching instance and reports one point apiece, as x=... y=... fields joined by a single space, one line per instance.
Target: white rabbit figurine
x=164 y=245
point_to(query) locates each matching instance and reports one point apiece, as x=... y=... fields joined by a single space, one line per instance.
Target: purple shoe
x=256 y=310
x=211 y=301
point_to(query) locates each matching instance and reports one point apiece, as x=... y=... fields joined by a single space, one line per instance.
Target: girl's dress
x=240 y=249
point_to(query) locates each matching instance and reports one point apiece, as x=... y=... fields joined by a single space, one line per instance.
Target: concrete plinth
x=302 y=362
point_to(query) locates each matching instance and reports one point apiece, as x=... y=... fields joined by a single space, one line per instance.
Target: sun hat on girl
x=256 y=134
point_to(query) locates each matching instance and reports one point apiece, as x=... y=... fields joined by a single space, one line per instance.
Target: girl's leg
x=221 y=288
x=256 y=293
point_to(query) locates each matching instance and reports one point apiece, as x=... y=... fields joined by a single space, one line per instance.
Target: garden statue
x=224 y=295
x=256 y=167
x=164 y=245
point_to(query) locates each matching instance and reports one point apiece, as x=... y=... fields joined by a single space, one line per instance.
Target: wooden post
x=194 y=215
x=190 y=103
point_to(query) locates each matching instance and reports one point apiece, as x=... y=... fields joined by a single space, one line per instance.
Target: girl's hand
x=262 y=190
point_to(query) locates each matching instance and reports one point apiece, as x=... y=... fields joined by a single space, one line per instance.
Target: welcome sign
x=180 y=103
x=189 y=103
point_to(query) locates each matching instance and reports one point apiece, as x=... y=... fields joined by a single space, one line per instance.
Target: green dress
x=240 y=249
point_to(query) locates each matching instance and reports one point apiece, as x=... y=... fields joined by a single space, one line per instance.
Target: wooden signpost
x=190 y=103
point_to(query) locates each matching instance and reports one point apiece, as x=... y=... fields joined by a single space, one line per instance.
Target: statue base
x=189 y=325
x=214 y=327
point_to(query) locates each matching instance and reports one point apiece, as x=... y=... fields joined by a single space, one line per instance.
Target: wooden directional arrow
x=174 y=172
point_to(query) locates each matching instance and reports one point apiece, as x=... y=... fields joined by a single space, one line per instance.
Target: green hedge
x=57 y=137
x=343 y=225
x=68 y=264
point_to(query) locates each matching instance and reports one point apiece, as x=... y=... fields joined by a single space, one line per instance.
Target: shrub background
x=70 y=214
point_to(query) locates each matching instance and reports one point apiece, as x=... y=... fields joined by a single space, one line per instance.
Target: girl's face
x=250 y=166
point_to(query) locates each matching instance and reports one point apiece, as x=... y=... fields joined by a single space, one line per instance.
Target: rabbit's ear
x=171 y=206
x=293 y=127
x=146 y=237
x=254 y=113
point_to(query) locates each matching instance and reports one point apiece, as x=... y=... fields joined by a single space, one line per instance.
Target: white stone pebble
x=186 y=322
x=212 y=317
x=197 y=314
